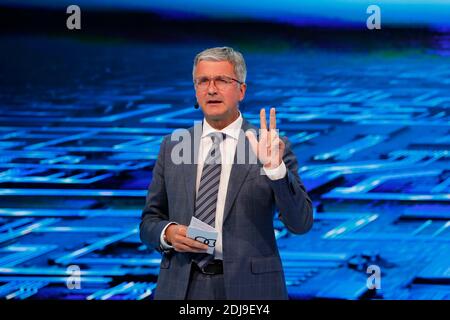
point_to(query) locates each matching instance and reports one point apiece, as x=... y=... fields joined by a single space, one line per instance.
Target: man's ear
x=243 y=89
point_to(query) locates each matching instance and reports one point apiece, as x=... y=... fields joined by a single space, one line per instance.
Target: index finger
x=273 y=119
x=262 y=119
x=195 y=244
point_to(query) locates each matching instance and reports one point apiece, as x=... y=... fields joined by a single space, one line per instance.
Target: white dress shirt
x=227 y=150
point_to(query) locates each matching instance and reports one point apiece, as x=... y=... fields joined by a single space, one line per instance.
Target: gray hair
x=223 y=54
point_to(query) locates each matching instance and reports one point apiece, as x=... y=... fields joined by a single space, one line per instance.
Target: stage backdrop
x=83 y=111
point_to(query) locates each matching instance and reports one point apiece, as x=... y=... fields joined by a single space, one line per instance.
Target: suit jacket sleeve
x=293 y=202
x=155 y=213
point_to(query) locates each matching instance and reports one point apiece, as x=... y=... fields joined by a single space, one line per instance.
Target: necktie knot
x=217 y=137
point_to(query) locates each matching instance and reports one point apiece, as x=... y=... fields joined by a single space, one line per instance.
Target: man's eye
x=203 y=81
x=221 y=80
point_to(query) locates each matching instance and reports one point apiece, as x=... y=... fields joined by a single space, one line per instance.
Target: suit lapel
x=190 y=170
x=238 y=171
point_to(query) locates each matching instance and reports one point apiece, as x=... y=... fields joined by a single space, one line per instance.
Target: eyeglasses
x=220 y=82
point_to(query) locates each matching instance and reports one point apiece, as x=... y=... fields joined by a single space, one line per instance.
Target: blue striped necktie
x=206 y=201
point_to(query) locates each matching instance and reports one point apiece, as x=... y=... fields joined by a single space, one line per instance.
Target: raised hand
x=270 y=148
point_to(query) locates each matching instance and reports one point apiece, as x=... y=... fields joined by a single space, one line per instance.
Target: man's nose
x=212 y=88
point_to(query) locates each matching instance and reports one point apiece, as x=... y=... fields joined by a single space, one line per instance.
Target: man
x=237 y=199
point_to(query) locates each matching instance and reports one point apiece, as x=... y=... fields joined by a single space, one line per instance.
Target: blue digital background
x=319 y=12
x=82 y=116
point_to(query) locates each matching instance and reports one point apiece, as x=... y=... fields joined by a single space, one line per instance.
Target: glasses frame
x=231 y=79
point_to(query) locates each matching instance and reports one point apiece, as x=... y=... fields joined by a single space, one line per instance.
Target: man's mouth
x=213 y=101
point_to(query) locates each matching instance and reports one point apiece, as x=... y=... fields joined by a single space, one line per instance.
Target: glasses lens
x=202 y=82
x=220 y=82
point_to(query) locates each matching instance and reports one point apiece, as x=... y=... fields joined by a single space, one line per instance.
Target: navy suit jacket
x=251 y=261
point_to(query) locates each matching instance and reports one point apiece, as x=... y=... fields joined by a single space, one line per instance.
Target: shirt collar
x=232 y=130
